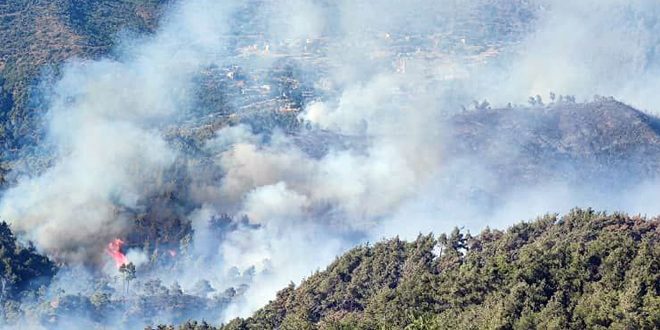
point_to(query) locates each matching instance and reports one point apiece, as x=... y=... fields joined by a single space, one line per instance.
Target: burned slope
x=604 y=142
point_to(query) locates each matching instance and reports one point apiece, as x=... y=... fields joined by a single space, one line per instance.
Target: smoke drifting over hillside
x=104 y=120
x=589 y=47
x=374 y=153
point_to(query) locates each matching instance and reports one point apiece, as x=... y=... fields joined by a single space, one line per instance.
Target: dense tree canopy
x=21 y=267
x=583 y=270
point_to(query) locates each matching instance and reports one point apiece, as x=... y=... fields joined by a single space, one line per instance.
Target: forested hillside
x=39 y=35
x=171 y=160
x=585 y=270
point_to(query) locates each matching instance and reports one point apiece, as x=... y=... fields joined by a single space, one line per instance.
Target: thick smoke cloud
x=585 y=48
x=104 y=124
x=387 y=78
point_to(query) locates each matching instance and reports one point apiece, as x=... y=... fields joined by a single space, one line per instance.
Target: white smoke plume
x=585 y=48
x=104 y=120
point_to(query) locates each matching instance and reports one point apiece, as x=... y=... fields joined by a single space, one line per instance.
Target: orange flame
x=114 y=250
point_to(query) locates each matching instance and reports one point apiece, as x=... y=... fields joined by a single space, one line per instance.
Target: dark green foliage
x=585 y=270
x=21 y=267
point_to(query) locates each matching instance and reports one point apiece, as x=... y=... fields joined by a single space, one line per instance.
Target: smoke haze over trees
x=188 y=159
x=582 y=271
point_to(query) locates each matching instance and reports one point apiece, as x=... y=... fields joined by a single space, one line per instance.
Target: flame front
x=114 y=250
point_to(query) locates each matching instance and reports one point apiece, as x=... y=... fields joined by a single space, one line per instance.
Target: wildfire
x=114 y=250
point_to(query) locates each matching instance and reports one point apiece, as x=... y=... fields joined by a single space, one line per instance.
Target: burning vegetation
x=114 y=249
